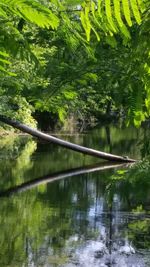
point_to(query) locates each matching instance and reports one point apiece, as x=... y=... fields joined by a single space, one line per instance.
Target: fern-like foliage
x=3 y=60
x=101 y=17
x=111 y=16
x=31 y=11
x=12 y=41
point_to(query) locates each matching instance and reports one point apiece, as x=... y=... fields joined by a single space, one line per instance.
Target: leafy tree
x=58 y=67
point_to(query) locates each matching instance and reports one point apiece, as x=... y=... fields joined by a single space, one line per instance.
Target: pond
x=62 y=208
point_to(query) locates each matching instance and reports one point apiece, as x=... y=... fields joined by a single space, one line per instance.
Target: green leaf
x=126 y=10
x=73 y=2
x=135 y=10
x=32 y=11
x=96 y=33
x=2 y=69
x=93 y=7
x=147 y=104
x=4 y=54
x=140 y=5
x=109 y=15
x=99 y=8
x=139 y=117
x=84 y=15
x=3 y=13
x=117 y=12
x=62 y=114
x=4 y=61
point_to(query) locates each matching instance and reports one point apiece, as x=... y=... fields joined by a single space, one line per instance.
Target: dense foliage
x=83 y=59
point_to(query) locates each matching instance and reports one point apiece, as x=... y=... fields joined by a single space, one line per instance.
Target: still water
x=61 y=208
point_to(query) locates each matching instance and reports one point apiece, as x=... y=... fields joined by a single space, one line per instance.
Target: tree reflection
x=78 y=221
x=93 y=218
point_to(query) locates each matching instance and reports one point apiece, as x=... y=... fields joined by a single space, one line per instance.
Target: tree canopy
x=85 y=58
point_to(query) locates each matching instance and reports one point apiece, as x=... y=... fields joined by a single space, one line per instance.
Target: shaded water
x=93 y=217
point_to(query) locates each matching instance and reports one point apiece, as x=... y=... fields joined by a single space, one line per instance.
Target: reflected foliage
x=54 y=223
x=133 y=185
x=15 y=159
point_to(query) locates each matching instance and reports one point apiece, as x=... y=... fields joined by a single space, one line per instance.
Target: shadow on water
x=98 y=217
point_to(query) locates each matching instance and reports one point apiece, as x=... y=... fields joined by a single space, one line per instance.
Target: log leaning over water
x=63 y=143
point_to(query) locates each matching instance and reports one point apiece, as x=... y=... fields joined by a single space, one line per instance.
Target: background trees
x=81 y=58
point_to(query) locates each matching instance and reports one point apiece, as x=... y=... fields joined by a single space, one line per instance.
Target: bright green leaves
x=4 y=62
x=117 y=12
x=3 y=14
x=32 y=11
x=147 y=99
x=136 y=112
x=12 y=39
x=74 y=2
x=147 y=104
x=139 y=117
x=4 y=54
x=126 y=11
x=86 y=21
x=110 y=16
x=136 y=11
x=69 y=94
x=72 y=73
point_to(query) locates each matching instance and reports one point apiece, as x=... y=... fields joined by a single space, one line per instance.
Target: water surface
x=90 y=217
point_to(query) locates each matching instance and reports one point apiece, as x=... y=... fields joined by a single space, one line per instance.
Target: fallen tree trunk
x=66 y=144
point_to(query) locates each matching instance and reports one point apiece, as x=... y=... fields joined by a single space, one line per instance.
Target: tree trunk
x=66 y=144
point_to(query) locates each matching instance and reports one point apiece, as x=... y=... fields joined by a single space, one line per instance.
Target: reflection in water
x=60 y=175
x=95 y=219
